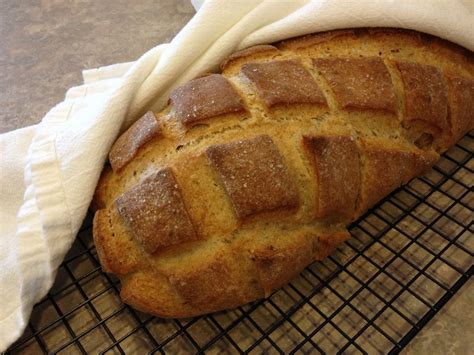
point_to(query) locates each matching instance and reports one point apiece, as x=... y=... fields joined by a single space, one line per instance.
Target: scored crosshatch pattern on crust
x=405 y=260
x=254 y=235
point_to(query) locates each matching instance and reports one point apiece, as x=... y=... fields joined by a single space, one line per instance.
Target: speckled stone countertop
x=44 y=46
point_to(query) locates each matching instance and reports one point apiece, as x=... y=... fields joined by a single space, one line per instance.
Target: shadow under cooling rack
x=406 y=259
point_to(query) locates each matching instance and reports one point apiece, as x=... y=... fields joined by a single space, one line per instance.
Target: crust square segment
x=254 y=176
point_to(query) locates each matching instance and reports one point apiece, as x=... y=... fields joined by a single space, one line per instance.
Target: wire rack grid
x=408 y=256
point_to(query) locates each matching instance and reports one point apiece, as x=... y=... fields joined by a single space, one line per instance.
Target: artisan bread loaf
x=250 y=175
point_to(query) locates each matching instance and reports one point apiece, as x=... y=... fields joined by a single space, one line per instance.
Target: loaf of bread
x=250 y=175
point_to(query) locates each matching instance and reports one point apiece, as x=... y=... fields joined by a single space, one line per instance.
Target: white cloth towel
x=48 y=172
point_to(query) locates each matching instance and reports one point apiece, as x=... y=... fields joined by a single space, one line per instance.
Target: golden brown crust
x=316 y=39
x=255 y=201
x=214 y=283
x=118 y=254
x=252 y=52
x=100 y=198
x=461 y=106
x=336 y=166
x=155 y=212
x=359 y=83
x=278 y=266
x=283 y=82
x=151 y=292
x=426 y=99
x=128 y=144
x=326 y=243
x=385 y=168
x=204 y=98
x=254 y=175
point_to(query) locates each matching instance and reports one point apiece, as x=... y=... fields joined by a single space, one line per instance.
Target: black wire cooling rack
x=407 y=257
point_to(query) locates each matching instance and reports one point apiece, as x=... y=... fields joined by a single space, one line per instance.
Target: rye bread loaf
x=250 y=175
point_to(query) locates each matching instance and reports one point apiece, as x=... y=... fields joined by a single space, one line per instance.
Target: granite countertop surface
x=44 y=46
